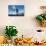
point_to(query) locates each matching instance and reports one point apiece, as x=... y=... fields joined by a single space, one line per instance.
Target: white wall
x=26 y=25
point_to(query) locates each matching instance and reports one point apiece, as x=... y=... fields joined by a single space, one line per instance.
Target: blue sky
x=12 y=9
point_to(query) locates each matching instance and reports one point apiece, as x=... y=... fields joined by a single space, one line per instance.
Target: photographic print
x=15 y=10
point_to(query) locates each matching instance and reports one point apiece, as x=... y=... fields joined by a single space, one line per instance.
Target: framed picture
x=15 y=10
